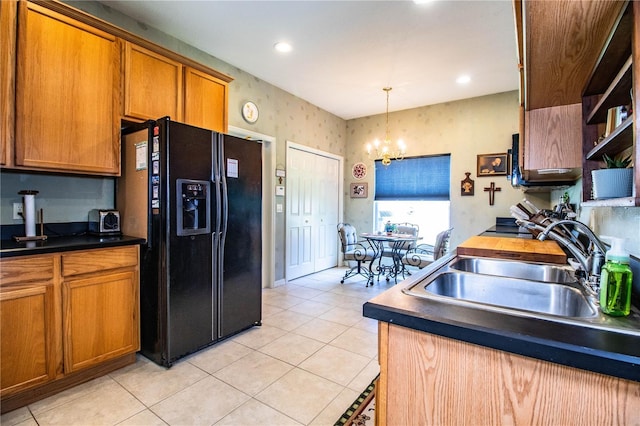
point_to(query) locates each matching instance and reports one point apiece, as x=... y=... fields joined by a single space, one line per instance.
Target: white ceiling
x=345 y=52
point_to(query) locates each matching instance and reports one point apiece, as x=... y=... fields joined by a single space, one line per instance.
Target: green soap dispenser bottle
x=615 y=280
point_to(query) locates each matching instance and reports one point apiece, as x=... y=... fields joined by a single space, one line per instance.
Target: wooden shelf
x=614 y=81
x=612 y=202
x=620 y=139
x=618 y=93
x=615 y=52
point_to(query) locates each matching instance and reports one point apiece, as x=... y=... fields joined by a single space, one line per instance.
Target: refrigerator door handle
x=225 y=198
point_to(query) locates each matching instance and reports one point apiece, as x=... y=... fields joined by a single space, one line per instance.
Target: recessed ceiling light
x=463 y=79
x=283 y=47
x=422 y=1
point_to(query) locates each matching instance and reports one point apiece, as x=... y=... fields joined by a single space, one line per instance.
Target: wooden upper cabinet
x=67 y=94
x=561 y=42
x=554 y=138
x=206 y=99
x=7 y=78
x=152 y=84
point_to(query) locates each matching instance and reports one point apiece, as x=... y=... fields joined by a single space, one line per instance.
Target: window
x=414 y=190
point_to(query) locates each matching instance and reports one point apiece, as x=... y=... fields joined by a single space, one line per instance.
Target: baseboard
x=279 y=283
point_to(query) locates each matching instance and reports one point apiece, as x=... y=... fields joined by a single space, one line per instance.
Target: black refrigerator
x=196 y=197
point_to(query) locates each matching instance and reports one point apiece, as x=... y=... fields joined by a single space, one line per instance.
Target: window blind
x=414 y=178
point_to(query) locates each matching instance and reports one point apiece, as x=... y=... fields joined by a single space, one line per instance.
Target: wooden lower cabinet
x=427 y=379
x=109 y=303
x=28 y=333
x=65 y=319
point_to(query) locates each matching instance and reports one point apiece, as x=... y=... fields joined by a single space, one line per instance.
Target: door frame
x=268 y=205
x=340 y=159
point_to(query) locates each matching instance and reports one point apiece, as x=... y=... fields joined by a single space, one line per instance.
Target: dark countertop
x=507 y=231
x=11 y=248
x=606 y=352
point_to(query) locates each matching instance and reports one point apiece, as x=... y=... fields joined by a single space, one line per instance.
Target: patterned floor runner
x=363 y=410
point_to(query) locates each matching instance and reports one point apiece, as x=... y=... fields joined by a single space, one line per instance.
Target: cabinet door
x=7 y=77
x=553 y=137
x=100 y=318
x=152 y=85
x=67 y=94
x=28 y=332
x=26 y=315
x=205 y=103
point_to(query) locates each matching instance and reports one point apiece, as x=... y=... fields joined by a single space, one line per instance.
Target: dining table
x=397 y=243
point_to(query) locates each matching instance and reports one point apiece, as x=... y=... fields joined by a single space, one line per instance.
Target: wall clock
x=359 y=170
x=250 y=112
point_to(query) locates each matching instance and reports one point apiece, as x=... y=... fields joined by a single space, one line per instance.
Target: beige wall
x=464 y=129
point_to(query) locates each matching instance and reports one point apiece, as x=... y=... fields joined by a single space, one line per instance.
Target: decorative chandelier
x=386 y=150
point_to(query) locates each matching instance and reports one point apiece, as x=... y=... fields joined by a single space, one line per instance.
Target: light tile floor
x=311 y=358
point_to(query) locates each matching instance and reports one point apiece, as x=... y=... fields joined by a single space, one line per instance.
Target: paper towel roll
x=29 y=212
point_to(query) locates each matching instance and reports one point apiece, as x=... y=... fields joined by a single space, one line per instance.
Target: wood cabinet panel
x=152 y=84
x=553 y=137
x=205 y=103
x=429 y=379
x=561 y=49
x=28 y=336
x=67 y=94
x=8 y=17
x=84 y=262
x=109 y=303
x=25 y=269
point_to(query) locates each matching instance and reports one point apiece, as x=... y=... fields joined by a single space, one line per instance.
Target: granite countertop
x=11 y=248
x=592 y=349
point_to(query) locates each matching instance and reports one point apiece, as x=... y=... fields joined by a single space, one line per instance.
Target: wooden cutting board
x=528 y=250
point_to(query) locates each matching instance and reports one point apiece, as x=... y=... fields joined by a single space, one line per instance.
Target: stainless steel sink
x=534 y=296
x=513 y=269
x=511 y=288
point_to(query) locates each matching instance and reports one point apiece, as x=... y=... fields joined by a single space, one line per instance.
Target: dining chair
x=355 y=253
x=402 y=247
x=425 y=254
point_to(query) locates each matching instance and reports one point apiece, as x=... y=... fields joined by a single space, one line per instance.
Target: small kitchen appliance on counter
x=104 y=222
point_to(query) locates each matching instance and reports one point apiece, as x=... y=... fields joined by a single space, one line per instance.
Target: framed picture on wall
x=492 y=164
x=359 y=190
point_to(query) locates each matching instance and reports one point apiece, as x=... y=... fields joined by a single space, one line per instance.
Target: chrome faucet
x=590 y=259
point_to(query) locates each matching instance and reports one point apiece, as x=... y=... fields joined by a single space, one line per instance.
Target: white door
x=326 y=219
x=300 y=173
x=313 y=195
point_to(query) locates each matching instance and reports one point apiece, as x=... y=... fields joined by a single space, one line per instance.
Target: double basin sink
x=536 y=290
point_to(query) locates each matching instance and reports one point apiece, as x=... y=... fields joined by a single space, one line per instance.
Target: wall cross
x=492 y=192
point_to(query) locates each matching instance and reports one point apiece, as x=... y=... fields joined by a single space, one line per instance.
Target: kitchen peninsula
x=444 y=363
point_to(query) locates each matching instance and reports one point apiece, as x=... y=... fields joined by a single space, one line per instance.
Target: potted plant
x=613 y=181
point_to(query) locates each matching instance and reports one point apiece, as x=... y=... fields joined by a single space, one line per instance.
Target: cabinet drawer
x=83 y=262
x=28 y=268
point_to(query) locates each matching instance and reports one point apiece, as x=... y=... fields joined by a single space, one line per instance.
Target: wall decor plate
x=359 y=170
x=250 y=112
